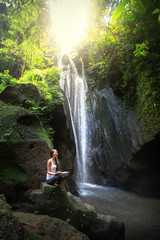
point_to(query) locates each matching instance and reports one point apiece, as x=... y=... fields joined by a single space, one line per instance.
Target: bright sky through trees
x=69 y=21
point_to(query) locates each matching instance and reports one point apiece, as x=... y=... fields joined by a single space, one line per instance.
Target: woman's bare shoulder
x=49 y=160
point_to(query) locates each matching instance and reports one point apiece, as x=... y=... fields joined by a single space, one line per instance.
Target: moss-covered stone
x=21 y=94
x=18 y=124
x=22 y=138
x=10 y=227
x=55 y=202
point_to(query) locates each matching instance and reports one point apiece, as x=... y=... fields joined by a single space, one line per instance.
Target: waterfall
x=102 y=129
x=75 y=89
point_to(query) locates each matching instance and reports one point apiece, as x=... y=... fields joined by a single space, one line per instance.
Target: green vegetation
x=12 y=174
x=28 y=54
x=11 y=132
x=27 y=49
x=122 y=50
x=26 y=42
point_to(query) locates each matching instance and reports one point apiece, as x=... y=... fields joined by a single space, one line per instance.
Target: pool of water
x=141 y=215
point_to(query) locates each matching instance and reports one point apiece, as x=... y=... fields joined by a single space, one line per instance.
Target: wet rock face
x=114 y=138
x=116 y=141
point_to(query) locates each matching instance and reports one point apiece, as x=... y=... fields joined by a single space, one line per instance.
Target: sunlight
x=69 y=21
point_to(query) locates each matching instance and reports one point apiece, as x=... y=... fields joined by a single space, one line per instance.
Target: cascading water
x=75 y=89
x=102 y=129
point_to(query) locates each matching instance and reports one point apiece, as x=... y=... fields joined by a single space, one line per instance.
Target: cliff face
x=115 y=138
x=118 y=132
x=121 y=154
x=24 y=144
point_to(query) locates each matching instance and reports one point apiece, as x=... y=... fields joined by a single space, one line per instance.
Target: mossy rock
x=24 y=147
x=21 y=94
x=10 y=227
x=56 y=202
x=18 y=125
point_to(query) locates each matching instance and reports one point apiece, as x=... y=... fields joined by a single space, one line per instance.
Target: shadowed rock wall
x=119 y=155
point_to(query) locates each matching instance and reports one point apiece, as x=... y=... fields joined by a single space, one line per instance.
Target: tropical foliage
x=25 y=39
x=27 y=53
x=122 y=49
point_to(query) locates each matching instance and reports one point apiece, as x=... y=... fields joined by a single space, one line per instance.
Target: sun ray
x=69 y=21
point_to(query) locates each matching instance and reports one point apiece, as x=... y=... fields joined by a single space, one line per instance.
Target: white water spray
x=75 y=89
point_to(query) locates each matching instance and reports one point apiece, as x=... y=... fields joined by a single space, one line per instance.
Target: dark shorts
x=58 y=178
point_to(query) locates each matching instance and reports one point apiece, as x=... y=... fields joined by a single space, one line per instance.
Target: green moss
x=10 y=174
x=9 y=131
x=12 y=131
x=42 y=134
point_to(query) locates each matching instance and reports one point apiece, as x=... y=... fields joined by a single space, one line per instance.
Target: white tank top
x=53 y=170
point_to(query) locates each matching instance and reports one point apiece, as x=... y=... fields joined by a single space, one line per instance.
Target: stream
x=141 y=215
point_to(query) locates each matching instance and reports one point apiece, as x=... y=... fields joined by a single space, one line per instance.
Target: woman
x=54 y=177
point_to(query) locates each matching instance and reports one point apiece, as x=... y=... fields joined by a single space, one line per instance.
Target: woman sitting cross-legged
x=54 y=177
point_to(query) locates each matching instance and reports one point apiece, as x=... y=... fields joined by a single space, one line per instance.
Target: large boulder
x=10 y=227
x=21 y=94
x=49 y=228
x=24 y=150
x=20 y=226
x=55 y=202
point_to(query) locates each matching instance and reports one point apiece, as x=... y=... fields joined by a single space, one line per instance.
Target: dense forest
x=121 y=49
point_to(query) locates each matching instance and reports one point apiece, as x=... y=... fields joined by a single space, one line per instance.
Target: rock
x=64 y=142
x=49 y=228
x=55 y=202
x=21 y=94
x=24 y=150
x=10 y=227
x=65 y=59
x=13 y=226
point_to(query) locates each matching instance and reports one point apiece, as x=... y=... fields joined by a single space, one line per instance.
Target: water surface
x=141 y=215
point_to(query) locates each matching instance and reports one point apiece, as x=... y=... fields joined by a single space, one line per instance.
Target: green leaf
x=157 y=10
x=119 y=9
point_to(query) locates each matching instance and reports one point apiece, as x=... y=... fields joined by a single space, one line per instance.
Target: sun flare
x=69 y=21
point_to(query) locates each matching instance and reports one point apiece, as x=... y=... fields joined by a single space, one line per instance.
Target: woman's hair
x=52 y=151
